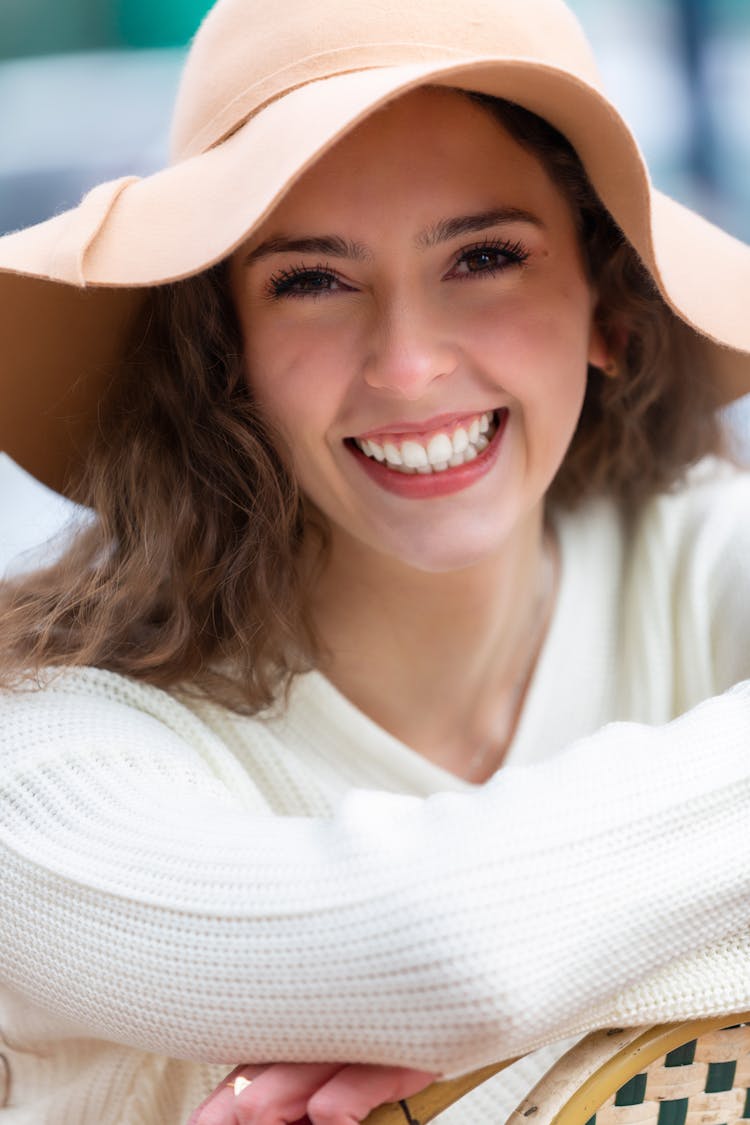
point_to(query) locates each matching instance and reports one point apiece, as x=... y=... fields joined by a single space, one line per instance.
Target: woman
x=372 y=389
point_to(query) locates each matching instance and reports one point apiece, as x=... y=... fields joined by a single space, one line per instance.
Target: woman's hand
x=320 y=1093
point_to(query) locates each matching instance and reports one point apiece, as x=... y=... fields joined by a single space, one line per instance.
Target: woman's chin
x=444 y=551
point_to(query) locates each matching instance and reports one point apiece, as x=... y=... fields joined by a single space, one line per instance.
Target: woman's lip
x=426 y=486
x=396 y=428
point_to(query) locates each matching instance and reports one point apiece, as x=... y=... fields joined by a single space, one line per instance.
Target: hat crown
x=250 y=52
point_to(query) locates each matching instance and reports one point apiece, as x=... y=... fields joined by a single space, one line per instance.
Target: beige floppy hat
x=266 y=89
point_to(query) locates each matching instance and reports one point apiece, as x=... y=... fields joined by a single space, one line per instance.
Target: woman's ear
x=600 y=352
x=607 y=346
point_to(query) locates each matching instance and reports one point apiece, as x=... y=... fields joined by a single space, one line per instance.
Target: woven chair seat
x=704 y=1082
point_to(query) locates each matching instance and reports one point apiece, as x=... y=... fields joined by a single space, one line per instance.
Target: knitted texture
x=183 y=883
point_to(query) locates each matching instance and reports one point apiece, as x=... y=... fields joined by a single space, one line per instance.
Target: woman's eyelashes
x=488 y=258
x=303 y=281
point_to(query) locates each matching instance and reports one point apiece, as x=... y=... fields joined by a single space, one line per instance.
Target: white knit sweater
x=182 y=883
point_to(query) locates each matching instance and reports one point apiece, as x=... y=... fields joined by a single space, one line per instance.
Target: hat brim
x=69 y=287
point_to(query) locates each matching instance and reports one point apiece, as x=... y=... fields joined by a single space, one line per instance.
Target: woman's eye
x=299 y=282
x=490 y=258
x=483 y=260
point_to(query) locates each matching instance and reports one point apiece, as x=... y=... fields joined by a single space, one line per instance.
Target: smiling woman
x=467 y=291
x=394 y=398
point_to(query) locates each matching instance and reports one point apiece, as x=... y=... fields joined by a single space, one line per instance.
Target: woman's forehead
x=426 y=151
x=428 y=120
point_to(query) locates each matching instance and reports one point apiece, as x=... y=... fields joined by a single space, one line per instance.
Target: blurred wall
x=680 y=71
x=86 y=89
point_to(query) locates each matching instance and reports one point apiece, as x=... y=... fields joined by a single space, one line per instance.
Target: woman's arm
x=142 y=902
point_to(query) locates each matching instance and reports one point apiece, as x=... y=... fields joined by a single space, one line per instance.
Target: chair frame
x=572 y=1091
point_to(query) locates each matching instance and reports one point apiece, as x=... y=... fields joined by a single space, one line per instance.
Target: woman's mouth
x=448 y=448
x=421 y=465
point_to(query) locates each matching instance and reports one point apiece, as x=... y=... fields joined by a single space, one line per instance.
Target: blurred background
x=87 y=87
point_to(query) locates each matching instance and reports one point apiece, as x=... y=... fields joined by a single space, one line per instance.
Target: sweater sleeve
x=143 y=902
x=704 y=532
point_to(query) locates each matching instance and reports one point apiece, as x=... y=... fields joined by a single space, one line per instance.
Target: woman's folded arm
x=143 y=900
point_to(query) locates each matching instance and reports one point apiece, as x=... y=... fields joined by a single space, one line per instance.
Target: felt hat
x=265 y=91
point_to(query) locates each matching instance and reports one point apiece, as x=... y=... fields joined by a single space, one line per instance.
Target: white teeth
x=414 y=455
x=392 y=455
x=442 y=452
x=460 y=440
x=440 y=449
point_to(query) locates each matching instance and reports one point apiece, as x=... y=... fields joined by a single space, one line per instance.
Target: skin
x=409 y=326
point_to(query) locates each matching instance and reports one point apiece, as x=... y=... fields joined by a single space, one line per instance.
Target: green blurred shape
x=158 y=23
x=41 y=27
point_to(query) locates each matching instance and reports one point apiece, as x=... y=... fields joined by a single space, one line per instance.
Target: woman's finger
x=279 y=1095
x=274 y=1095
x=348 y=1096
x=218 y=1107
x=324 y=1094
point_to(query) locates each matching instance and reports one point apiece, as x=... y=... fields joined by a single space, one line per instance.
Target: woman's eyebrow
x=334 y=246
x=446 y=229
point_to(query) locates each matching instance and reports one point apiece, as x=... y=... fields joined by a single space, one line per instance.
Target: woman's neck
x=441 y=661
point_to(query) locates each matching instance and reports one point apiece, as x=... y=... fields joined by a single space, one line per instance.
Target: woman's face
x=417 y=323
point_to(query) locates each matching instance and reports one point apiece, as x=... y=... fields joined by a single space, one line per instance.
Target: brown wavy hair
x=192 y=572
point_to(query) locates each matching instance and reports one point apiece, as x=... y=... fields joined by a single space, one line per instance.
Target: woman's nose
x=409 y=350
